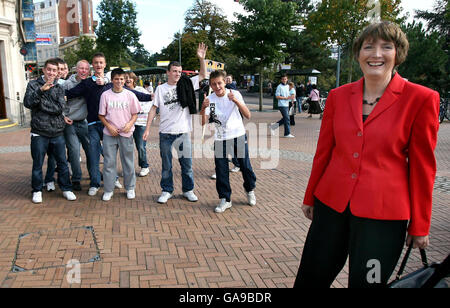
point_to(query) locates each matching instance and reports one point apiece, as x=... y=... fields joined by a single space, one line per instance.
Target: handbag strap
x=423 y=256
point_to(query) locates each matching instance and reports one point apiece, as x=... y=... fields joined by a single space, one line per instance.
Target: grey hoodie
x=78 y=109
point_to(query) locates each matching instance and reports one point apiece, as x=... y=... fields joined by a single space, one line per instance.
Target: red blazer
x=385 y=167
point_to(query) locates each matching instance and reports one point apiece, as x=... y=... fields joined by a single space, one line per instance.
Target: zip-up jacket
x=47 y=108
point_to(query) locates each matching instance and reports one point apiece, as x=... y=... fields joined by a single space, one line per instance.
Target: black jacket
x=47 y=108
x=186 y=94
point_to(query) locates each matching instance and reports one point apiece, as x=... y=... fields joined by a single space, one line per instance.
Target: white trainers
x=131 y=194
x=144 y=172
x=70 y=196
x=223 y=205
x=214 y=176
x=164 y=197
x=289 y=136
x=117 y=184
x=251 y=198
x=51 y=186
x=235 y=169
x=190 y=196
x=37 y=197
x=93 y=191
x=107 y=196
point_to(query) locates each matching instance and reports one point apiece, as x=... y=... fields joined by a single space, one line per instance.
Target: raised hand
x=201 y=50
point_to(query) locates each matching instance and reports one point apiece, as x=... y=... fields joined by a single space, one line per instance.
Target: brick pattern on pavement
x=180 y=244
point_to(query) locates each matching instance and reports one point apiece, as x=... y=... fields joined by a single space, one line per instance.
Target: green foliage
x=85 y=50
x=340 y=21
x=260 y=35
x=117 y=31
x=426 y=61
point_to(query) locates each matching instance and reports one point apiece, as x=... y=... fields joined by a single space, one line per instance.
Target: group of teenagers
x=106 y=116
x=372 y=176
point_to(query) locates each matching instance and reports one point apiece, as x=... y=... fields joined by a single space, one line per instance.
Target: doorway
x=2 y=95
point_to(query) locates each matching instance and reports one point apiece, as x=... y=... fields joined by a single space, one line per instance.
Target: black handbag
x=429 y=276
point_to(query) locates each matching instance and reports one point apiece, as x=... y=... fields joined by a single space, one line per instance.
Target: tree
x=85 y=50
x=426 y=61
x=340 y=21
x=261 y=35
x=205 y=17
x=439 y=21
x=117 y=31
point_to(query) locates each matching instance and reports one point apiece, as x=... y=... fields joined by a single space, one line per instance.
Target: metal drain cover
x=50 y=249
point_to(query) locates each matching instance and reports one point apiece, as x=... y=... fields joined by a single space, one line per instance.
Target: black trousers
x=373 y=246
x=238 y=149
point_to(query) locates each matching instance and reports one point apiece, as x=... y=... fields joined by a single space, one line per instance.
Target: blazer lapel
x=356 y=99
x=390 y=97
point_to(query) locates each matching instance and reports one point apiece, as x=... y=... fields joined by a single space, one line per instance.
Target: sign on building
x=43 y=39
x=212 y=66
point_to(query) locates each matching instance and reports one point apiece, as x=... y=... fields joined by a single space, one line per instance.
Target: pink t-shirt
x=118 y=109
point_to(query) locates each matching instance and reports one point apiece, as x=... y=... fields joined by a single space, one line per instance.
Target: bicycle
x=444 y=110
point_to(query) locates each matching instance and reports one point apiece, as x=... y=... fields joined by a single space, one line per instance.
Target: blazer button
x=354 y=176
x=355 y=155
x=359 y=134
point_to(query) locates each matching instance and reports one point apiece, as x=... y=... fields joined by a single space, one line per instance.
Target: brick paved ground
x=180 y=244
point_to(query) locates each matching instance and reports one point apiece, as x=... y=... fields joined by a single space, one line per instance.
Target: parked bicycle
x=444 y=111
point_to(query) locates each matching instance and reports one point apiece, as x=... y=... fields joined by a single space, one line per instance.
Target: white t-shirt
x=231 y=125
x=145 y=106
x=174 y=118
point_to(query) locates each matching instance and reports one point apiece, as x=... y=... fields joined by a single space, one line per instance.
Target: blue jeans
x=141 y=145
x=285 y=120
x=183 y=146
x=95 y=150
x=299 y=104
x=77 y=135
x=238 y=149
x=56 y=147
x=51 y=168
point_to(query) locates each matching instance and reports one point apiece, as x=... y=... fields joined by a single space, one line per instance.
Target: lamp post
x=179 y=45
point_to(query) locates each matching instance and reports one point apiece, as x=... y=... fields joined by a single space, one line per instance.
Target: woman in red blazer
x=373 y=171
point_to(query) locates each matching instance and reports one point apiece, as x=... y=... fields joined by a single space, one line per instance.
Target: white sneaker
x=251 y=198
x=190 y=196
x=70 y=196
x=93 y=191
x=235 y=169
x=131 y=194
x=51 y=186
x=164 y=197
x=214 y=176
x=144 y=172
x=37 y=197
x=289 y=136
x=107 y=196
x=223 y=205
x=117 y=184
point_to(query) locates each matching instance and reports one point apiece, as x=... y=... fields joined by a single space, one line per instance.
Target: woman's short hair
x=387 y=31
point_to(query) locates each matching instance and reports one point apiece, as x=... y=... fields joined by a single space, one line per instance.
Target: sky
x=159 y=20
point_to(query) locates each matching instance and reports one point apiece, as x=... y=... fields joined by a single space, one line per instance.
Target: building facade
x=16 y=33
x=46 y=20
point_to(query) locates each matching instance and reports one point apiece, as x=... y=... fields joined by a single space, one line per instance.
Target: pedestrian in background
x=314 y=102
x=374 y=168
x=283 y=96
